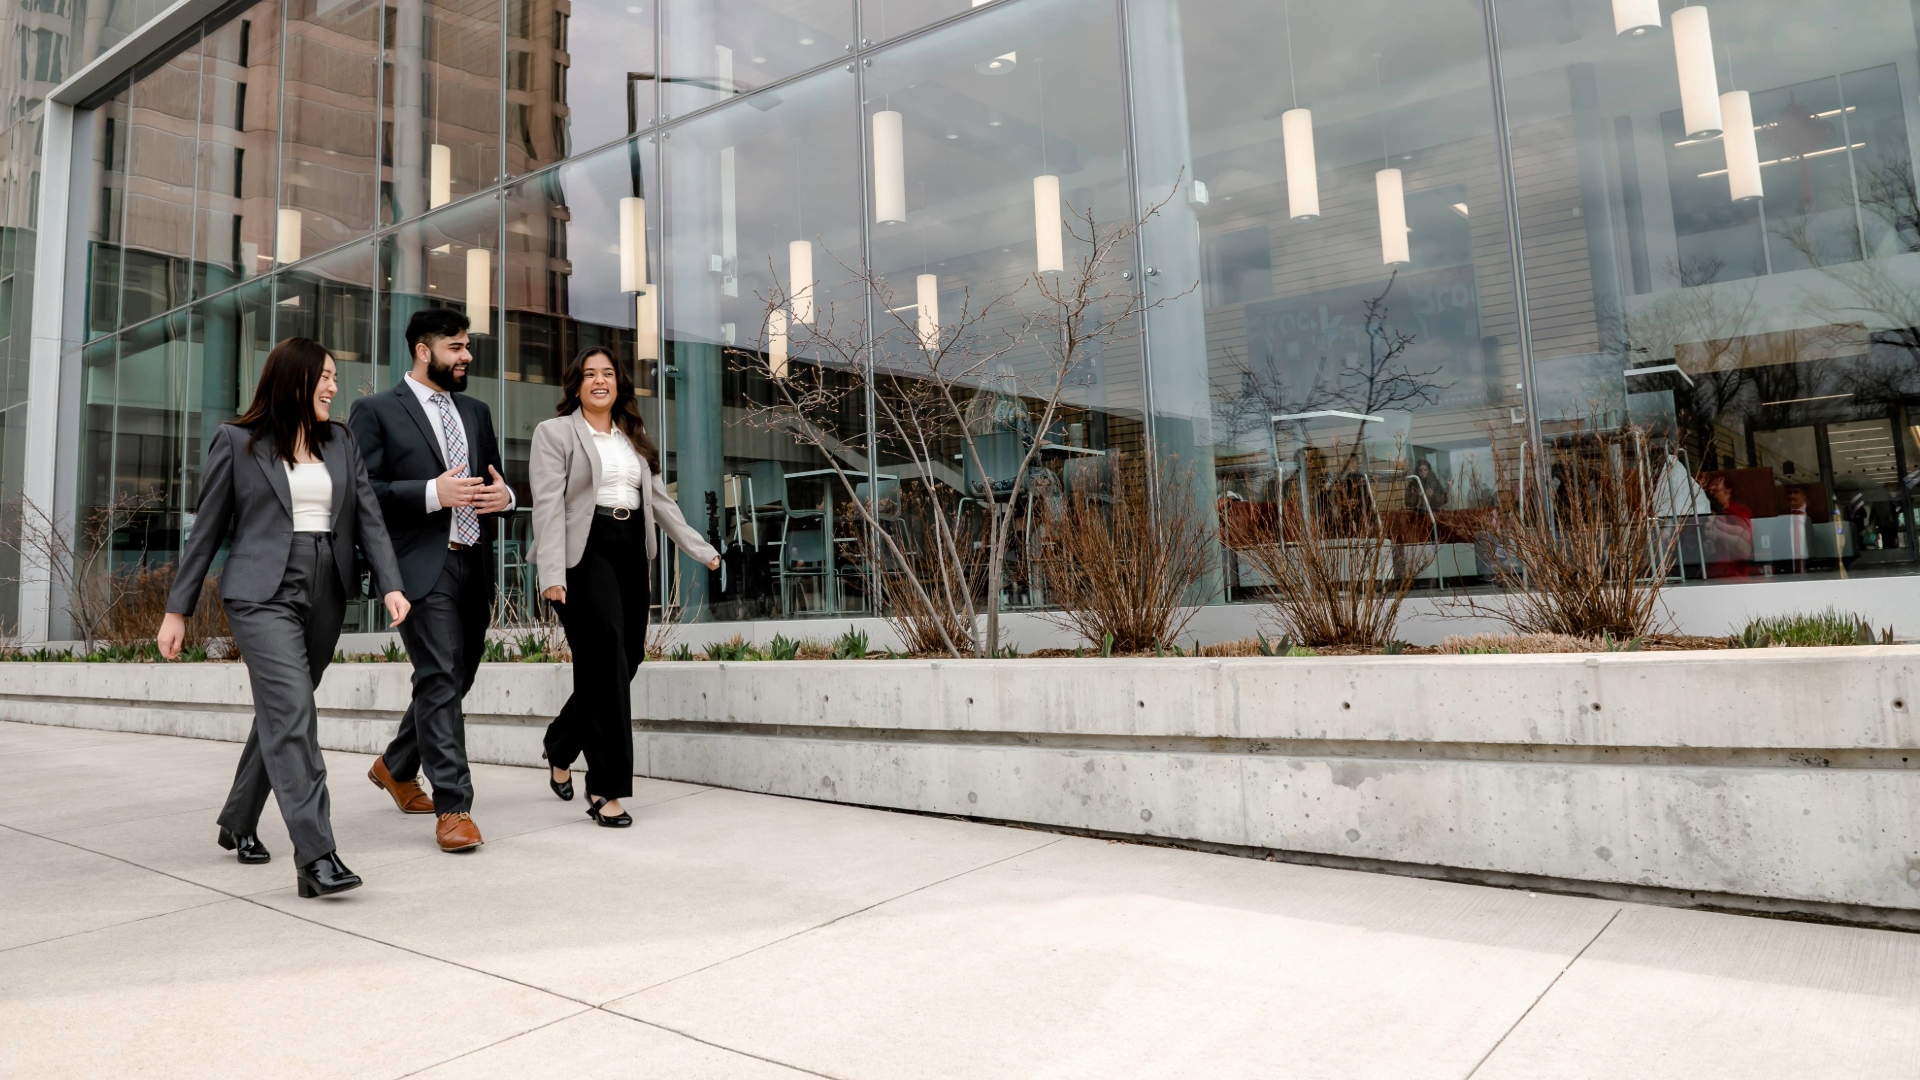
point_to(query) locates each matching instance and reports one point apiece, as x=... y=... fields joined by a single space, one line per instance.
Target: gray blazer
x=565 y=477
x=244 y=493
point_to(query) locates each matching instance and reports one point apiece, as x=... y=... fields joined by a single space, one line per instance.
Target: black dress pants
x=288 y=641
x=445 y=634
x=605 y=617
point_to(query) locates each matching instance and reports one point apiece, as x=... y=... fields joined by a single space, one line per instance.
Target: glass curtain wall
x=1715 y=212
x=1336 y=310
x=1721 y=247
x=1011 y=130
x=760 y=198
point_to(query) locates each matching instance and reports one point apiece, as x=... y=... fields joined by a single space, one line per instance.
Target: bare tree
x=1381 y=380
x=927 y=381
x=75 y=566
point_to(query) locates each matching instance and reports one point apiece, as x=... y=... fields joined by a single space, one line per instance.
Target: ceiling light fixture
x=439 y=175
x=479 y=290
x=926 y=289
x=1632 y=18
x=1742 y=149
x=889 y=168
x=1296 y=136
x=633 y=244
x=1699 y=81
x=286 y=241
x=777 y=344
x=800 y=279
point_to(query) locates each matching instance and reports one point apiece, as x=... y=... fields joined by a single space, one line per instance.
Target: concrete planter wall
x=1791 y=776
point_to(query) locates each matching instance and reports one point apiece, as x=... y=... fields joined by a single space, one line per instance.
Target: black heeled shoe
x=564 y=790
x=325 y=876
x=247 y=849
x=619 y=821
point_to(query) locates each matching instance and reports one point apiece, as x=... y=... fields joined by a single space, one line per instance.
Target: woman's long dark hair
x=283 y=402
x=626 y=404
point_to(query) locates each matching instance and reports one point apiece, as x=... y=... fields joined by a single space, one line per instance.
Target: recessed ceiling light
x=993 y=123
x=759 y=59
x=951 y=135
x=633 y=11
x=806 y=41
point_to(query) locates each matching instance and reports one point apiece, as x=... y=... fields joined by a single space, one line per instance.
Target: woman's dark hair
x=626 y=404
x=283 y=401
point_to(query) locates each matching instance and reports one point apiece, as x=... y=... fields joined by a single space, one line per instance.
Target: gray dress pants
x=287 y=643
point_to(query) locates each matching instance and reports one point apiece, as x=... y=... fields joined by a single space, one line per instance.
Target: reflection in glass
x=329 y=167
x=573 y=279
x=719 y=49
x=1342 y=269
x=983 y=167
x=743 y=187
x=1743 y=296
x=441 y=89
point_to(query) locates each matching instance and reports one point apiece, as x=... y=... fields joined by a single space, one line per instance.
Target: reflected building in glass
x=1385 y=244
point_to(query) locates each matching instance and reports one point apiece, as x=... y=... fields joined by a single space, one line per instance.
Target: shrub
x=1582 y=555
x=1120 y=565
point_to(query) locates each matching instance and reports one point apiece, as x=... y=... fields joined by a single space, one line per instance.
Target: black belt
x=617 y=513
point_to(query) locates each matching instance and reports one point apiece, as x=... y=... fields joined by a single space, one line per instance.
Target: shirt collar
x=421 y=390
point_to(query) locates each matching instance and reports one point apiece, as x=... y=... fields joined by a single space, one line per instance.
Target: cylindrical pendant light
x=800 y=279
x=777 y=343
x=1743 y=151
x=439 y=175
x=926 y=290
x=479 y=290
x=1635 y=17
x=286 y=241
x=646 y=328
x=1388 y=187
x=1049 y=252
x=1699 y=84
x=1303 y=181
x=633 y=244
x=889 y=168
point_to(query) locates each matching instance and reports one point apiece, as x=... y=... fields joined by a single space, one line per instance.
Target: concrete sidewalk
x=736 y=935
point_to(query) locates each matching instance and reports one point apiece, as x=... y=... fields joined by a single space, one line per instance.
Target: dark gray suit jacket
x=244 y=493
x=402 y=459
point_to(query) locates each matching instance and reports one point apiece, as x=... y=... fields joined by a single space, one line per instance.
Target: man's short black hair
x=434 y=324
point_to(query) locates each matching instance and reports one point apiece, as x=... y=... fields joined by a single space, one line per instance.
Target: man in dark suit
x=435 y=467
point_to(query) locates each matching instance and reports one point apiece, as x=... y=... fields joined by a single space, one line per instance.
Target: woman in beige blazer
x=597 y=495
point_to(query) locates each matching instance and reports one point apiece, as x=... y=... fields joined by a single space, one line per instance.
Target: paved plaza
x=736 y=935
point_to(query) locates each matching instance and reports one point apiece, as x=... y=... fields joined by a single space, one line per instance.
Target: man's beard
x=442 y=376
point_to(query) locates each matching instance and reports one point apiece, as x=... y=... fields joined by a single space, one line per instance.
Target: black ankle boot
x=247 y=848
x=325 y=876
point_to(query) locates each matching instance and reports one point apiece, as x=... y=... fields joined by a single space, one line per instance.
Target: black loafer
x=325 y=876
x=564 y=790
x=247 y=848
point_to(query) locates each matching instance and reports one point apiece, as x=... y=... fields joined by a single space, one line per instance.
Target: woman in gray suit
x=287 y=485
x=597 y=495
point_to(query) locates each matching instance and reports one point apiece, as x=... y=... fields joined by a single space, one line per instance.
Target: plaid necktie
x=466 y=523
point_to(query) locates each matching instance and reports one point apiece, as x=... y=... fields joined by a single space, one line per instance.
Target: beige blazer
x=566 y=476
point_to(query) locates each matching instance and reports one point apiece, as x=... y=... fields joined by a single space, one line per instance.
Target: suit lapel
x=410 y=405
x=335 y=456
x=584 y=433
x=265 y=454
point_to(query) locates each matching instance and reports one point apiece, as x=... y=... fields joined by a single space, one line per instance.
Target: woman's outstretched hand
x=172 y=635
x=556 y=593
x=713 y=563
x=397 y=607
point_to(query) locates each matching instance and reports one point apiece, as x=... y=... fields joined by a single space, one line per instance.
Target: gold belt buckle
x=621 y=513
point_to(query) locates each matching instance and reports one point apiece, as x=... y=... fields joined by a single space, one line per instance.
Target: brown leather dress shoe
x=457 y=832
x=408 y=796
